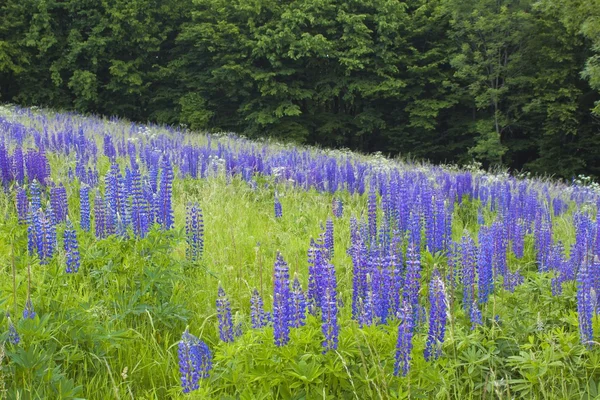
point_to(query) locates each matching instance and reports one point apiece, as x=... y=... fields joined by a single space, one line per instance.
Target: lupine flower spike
x=437 y=317
x=278 y=208
x=224 y=316
x=13 y=335
x=404 y=343
x=195 y=361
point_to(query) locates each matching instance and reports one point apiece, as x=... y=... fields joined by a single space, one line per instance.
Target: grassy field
x=113 y=328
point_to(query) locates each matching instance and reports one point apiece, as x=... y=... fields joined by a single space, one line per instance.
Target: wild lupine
x=328 y=239
x=297 y=305
x=109 y=148
x=359 y=278
x=28 y=311
x=13 y=335
x=139 y=212
x=194 y=230
x=41 y=235
x=500 y=246
x=18 y=165
x=329 y=310
x=36 y=196
x=22 y=205
x=413 y=278
x=281 y=302
x=337 y=207
x=366 y=308
x=257 y=312
x=468 y=250
x=195 y=361
x=518 y=242
x=99 y=216
x=84 y=207
x=484 y=264
x=165 y=206
x=111 y=194
x=58 y=200
x=278 y=208
x=404 y=343
x=556 y=263
x=585 y=304
x=475 y=315
x=415 y=231
x=437 y=318
x=71 y=249
x=397 y=272
x=512 y=280
x=316 y=262
x=50 y=239
x=384 y=296
x=224 y=316
x=372 y=212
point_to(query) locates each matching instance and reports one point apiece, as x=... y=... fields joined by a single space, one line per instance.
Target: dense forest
x=511 y=82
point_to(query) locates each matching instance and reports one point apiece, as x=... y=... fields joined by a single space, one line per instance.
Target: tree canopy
x=511 y=82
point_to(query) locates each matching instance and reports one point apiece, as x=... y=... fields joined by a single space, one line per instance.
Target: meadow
x=148 y=262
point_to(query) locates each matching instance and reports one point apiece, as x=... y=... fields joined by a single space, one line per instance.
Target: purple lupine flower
x=328 y=240
x=194 y=230
x=13 y=335
x=48 y=235
x=366 y=308
x=316 y=262
x=404 y=343
x=413 y=278
x=165 y=206
x=337 y=207
x=28 y=311
x=111 y=194
x=397 y=273
x=99 y=216
x=543 y=241
x=329 y=310
x=437 y=318
x=281 y=302
x=278 y=208
x=415 y=230
x=22 y=205
x=257 y=312
x=109 y=148
x=58 y=200
x=84 y=207
x=36 y=196
x=359 y=278
x=372 y=211
x=518 y=240
x=585 y=304
x=484 y=264
x=475 y=316
x=71 y=249
x=224 y=316
x=32 y=233
x=18 y=165
x=512 y=280
x=139 y=212
x=195 y=361
x=297 y=305
x=500 y=246
x=557 y=262
x=468 y=250
x=384 y=286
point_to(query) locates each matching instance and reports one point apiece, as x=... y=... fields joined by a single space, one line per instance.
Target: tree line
x=510 y=82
